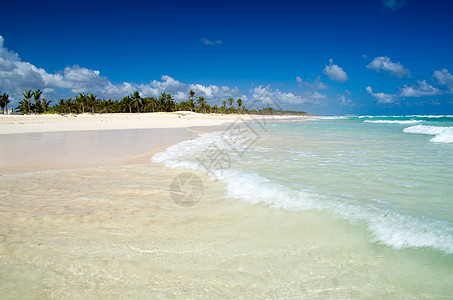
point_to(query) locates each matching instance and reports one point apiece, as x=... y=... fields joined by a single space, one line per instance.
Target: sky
x=365 y=57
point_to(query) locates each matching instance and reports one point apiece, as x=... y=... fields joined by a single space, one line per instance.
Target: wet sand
x=26 y=152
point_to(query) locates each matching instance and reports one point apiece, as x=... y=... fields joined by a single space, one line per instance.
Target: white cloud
x=316 y=84
x=444 y=79
x=335 y=72
x=393 y=4
x=213 y=91
x=442 y=85
x=269 y=97
x=420 y=90
x=382 y=97
x=208 y=42
x=384 y=63
x=17 y=76
x=345 y=101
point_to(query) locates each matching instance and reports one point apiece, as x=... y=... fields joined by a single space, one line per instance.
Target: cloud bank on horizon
x=17 y=76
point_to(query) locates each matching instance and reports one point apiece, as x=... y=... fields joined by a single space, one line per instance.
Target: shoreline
x=31 y=143
x=39 y=151
x=120 y=227
x=13 y=124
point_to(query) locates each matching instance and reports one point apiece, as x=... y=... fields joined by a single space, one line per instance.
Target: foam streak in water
x=392 y=121
x=391 y=228
x=441 y=134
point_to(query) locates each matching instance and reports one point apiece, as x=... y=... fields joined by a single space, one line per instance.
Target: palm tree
x=81 y=100
x=92 y=101
x=190 y=100
x=26 y=104
x=169 y=103
x=23 y=106
x=201 y=103
x=230 y=103
x=70 y=104
x=4 y=100
x=191 y=94
x=153 y=102
x=61 y=105
x=165 y=102
x=144 y=103
x=191 y=104
x=37 y=96
x=45 y=105
x=135 y=96
x=239 y=103
x=127 y=102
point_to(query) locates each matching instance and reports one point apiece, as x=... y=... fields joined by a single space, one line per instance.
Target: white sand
x=40 y=142
x=10 y=124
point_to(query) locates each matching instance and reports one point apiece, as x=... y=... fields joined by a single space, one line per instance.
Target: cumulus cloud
x=345 y=101
x=335 y=72
x=384 y=63
x=421 y=89
x=270 y=97
x=444 y=80
x=211 y=43
x=393 y=4
x=441 y=85
x=316 y=84
x=17 y=76
x=382 y=97
x=214 y=91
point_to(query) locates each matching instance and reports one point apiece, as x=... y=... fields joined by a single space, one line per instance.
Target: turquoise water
x=390 y=176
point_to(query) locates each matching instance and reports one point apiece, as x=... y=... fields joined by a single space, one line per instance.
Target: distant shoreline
x=12 y=124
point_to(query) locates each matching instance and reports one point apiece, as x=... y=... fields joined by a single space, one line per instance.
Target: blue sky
x=324 y=57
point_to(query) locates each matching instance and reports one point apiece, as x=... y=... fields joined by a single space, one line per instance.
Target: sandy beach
x=39 y=142
x=10 y=124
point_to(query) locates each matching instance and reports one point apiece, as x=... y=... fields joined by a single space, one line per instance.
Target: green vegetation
x=4 y=100
x=134 y=103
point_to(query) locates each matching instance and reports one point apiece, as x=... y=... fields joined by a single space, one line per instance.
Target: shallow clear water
x=372 y=171
x=331 y=208
x=388 y=177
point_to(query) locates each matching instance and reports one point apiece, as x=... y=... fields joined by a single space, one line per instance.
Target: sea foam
x=392 y=229
x=441 y=134
x=392 y=121
x=387 y=227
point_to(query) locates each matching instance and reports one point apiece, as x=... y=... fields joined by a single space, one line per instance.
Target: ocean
x=388 y=177
x=352 y=207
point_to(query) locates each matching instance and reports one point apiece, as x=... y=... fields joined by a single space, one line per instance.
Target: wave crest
x=441 y=134
x=392 y=121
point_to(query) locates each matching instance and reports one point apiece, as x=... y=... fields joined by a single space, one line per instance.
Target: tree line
x=33 y=103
